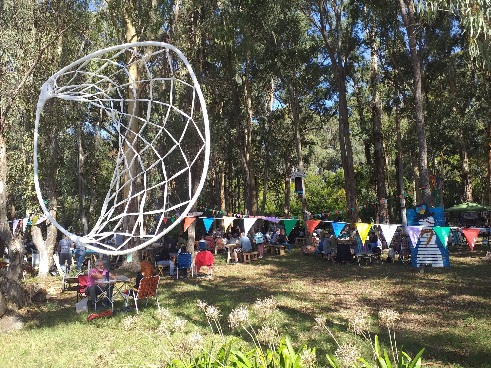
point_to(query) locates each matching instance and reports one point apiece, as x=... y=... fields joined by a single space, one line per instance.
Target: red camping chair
x=82 y=285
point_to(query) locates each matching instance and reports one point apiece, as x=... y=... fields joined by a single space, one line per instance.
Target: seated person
x=165 y=259
x=98 y=273
x=275 y=236
x=203 y=258
x=245 y=246
x=283 y=241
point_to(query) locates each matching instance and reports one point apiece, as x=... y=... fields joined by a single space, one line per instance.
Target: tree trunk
x=131 y=139
x=378 y=141
x=409 y=19
x=400 y=171
x=466 y=180
x=246 y=135
x=345 y=146
x=489 y=162
x=286 y=191
x=81 y=182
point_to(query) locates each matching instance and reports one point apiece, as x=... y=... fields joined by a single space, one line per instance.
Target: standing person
x=65 y=251
x=259 y=240
x=79 y=255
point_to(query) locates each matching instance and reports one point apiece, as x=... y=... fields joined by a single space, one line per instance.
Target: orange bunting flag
x=188 y=221
x=311 y=225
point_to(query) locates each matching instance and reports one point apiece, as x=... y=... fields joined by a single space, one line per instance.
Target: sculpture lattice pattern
x=150 y=104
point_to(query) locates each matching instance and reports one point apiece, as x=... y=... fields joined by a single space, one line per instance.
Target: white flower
x=238 y=317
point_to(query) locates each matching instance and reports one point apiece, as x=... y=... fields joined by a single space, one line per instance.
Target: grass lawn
x=445 y=311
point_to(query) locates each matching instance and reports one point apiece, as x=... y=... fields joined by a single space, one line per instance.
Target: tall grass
x=445 y=311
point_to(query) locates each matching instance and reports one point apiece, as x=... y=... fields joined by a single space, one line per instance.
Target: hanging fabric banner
x=338 y=227
x=363 y=229
x=388 y=230
x=248 y=222
x=470 y=236
x=188 y=221
x=289 y=225
x=207 y=222
x=443 y=233
x=311 y=225
x=227 y=221
x=413 y=232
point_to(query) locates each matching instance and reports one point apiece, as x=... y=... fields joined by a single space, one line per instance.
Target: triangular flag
x=311 y=225
x=338 y=227
x=35 y=220
x=188 y=221
x=24 y=223
x=363 y=229
x=227 y=221
x=442 y=232
x=413 y=232
x=289 y=225
x=207 y=222
x=248 y=222
x=388 y=230
x=165 y=220
x=14 y=225
x=272 y=219
x=471 y=236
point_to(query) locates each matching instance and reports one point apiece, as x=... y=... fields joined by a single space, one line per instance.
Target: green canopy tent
x=468 y=207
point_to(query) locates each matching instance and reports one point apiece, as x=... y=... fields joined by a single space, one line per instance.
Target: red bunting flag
x=470 y=236
x=311 y=225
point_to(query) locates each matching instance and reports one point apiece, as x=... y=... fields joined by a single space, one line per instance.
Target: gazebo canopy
x=468 y=207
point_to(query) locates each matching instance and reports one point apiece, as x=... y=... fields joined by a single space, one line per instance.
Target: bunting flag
x=14 y=225
x=338 y=227
x=363 y=229
x=413 y=232
x=289 y=225
x=470 y=236
x=442 y=232
x=165 y=220
x=188 y=221
x=35 y=220
x=24 y=224
x=248 y=222
x=227 y=221
x=388 y=230
x=272 y=219
x=207 y=222
x=311 y=225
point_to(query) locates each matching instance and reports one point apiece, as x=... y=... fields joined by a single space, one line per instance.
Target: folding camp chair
x=184 y=261
x=148 y=288
x=83 y=280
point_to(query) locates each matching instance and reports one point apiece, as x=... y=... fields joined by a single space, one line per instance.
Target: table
x=117 y=286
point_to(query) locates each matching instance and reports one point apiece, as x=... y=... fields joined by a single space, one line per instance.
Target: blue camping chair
x=184 y=261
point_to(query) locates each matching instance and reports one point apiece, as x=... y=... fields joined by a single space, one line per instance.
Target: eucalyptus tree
x=336 y=23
